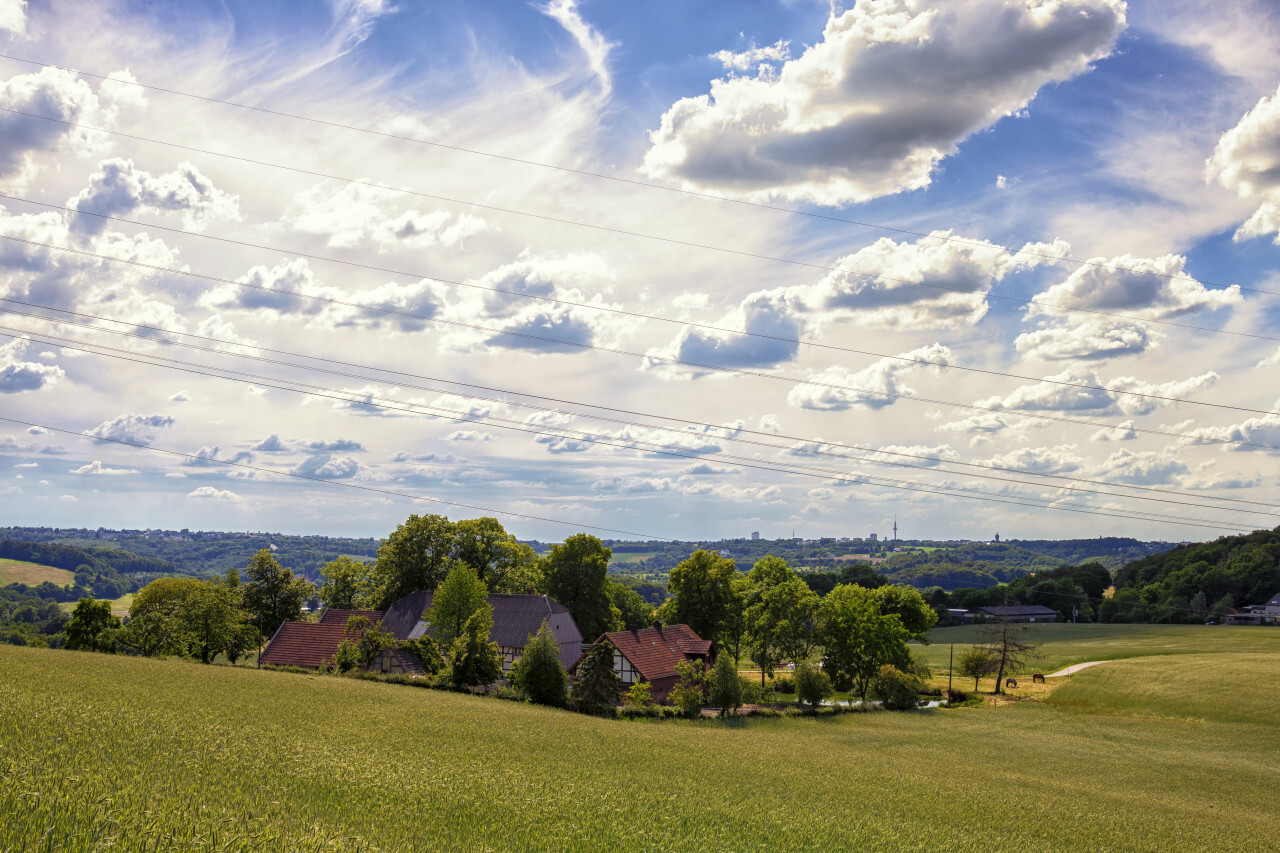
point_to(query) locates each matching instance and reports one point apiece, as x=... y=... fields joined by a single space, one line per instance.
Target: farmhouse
x=1258 y=614
x=1010 y=613
x=651 y=654
x=515 y=619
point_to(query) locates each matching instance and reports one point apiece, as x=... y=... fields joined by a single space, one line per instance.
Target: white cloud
x=1075 y=390
x=180 y=397
x=891 y=89
x=1247 y=160
x=1264 y=430
x=468 y=435
x=357 y=214
x=592 y=43
x=1090 y=339
x=874 y=387
x=17 y=375
x=1142 y=469
x=1040 y=460
x=1120 y=432
x=13 y=17
x=215 y=494
x=327 y=466
x=96 y=467
x=758 y=59
x=132 y=429
x=118 y=188
x=1145 y=288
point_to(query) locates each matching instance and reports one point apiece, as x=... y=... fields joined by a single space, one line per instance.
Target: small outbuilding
x=651 y=654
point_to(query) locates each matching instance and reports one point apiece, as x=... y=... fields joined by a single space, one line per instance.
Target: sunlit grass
x=32 y=574
x=101 y=752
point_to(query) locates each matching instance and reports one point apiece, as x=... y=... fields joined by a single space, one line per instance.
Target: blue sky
x=979 y=265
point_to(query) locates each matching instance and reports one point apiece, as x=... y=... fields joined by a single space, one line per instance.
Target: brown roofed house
x=651 y=654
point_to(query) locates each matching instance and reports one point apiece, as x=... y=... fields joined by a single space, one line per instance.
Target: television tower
x=895 y=528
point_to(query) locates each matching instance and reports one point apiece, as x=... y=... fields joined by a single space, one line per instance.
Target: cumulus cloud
x=593 y=45
x=271 y=444
x=1039 y=460
x=13 y=17
x=890 y=89
x=1092 y=339
x=57 y=94
x=17 y=375
x=180 y=397
x=1264 y=430
x=1145 y=288
x=1075 y=390
x=1121 y=432
x=1149 y=468
x=357 y=215
x=214 y=494
x=1247 y=160
x=874 y=387
x=327 y=466
x=761 y=60
x=468 y=435
x=119 y=188
x=767 y=315
x=132 y=429
x=96 y=467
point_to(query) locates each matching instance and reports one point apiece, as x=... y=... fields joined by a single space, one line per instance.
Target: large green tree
x=417 y=555
x=909 y=605
x=272 y=594
x=347 y=584
x=780 y=615
x=539 y=672
x=859 y=638
x=459 y=596
x=703 y=595
x=595 y=682
x=92 y=626
x=502 y=562
x=633 y=612
x=474 y=660
x=577 y=574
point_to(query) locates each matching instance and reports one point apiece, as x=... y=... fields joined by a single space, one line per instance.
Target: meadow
x=32 y=574
x=99 y=752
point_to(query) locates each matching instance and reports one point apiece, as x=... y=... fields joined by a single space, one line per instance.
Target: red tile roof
x=310 y=644
x=654 y=652
x=334 y=616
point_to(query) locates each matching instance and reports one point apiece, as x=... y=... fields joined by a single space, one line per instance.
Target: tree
x=812 y=684
x=474 y=660
x=367 y=639
x=417 y=555
x=859 y=639
x=976 y=662
x=503 y=563
x=596 y=684
x=912 y=610
x=896 y=690
x=539 y=672
x=272 y=594
x=634 y=612
x=212 y=617
x=91 y=626
x=702 y=593
x=690 y=691
x=577 y=574
x=726 y=687
x=460 y=595
x=780 y=615
x=426 y=652
x=638 y=695
x=347 y=584
x=157 y=618
x=1004 y=640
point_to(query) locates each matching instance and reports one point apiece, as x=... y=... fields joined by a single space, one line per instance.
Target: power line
x=598 y=227
x=578 y=435
x=419 y=409
x=601 y=308
x=644 y=356
x=628 y=181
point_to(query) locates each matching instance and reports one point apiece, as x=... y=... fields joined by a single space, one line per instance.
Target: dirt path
x=1072 y=670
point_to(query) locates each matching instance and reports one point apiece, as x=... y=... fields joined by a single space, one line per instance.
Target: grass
x=1063 y=644
x=20 y=571
x=119 y=607
x=631 y=557
x=101 y=752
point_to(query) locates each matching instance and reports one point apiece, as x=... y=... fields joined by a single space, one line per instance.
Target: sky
x=659 y=270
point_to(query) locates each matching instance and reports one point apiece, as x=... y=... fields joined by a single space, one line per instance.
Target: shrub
x=688 y=695
x=638 y=696
x=347 y=656
x=812 y=684
x=539 y=672
x=958 y=696
x=896 y=690
x=595 y=684
x=474 y=660
x=784 y=685
x=726 y=686
x=920 y=666
x=752 y=692
x=426 y=653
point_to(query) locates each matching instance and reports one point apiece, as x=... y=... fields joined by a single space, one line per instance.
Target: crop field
x=111 y=753
x=1064 y=644
x=20 y=571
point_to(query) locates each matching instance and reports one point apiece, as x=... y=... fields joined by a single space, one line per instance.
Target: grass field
x=631 y=557
x=97 y=752
x=1065 y=644
x=19 y=571
x=119 y=607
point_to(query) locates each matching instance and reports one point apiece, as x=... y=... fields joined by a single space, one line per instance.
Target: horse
x=1037 y=678
x=1011 y=682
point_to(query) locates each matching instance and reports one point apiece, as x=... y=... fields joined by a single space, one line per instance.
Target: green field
x=620 y=559
x=98 y=752
x=1065 y=644
x=19 y=571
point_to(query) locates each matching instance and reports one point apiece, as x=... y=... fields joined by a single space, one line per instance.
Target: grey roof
x=515 y=617
x=1020 y=610
x=1275 y=601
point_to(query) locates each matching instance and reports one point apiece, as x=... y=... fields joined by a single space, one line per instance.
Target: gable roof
x=1275 y=601
x=654 y=652
x=309 y=644
x=515 y=617
x=334 y=616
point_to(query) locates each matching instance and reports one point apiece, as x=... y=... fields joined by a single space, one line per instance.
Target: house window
x=626 y=672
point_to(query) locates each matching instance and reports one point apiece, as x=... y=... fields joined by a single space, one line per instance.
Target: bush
x=958 y=696
x=638 y=696
x=896 y=690
x=812 y=684
x=347 y=656
x=426 y=653
x=688 y=695
x=784 y=685
x=752 y=692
